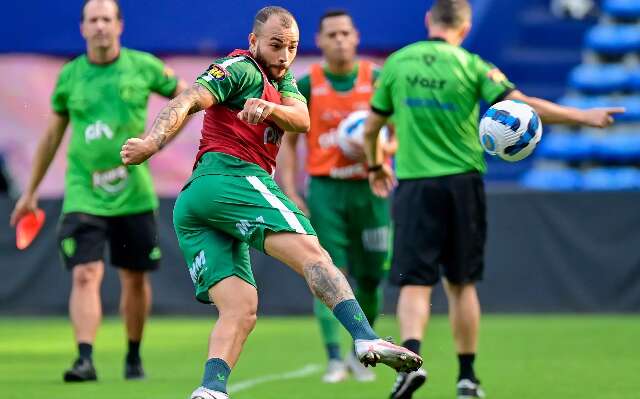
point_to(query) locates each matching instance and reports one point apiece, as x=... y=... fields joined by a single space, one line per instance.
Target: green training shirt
x=433 y=90
x=106 y=105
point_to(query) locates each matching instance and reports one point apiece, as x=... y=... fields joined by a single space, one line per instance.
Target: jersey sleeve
x=493 y=84
x=382 y=102
x=60 y=94
x=224 y=81
x=163 y=79
x=304 y=86
x=288 y=87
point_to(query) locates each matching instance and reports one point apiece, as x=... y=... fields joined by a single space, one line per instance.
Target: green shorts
x=218 y=217
x=352 y=225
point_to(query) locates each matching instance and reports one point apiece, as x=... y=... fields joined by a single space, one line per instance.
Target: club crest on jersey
x=218 y=72
x=273 y=136
x=496 y=75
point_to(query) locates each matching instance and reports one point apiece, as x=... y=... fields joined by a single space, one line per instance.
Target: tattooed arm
x=167 y=124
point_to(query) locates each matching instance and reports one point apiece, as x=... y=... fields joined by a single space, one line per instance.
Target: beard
x=273 y=71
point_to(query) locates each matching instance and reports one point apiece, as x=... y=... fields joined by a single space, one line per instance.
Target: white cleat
x=204 y=393
x=358 y=370
x=336 y=372
x=373 y=351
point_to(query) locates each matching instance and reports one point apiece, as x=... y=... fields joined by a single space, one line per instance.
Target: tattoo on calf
x=327 y=283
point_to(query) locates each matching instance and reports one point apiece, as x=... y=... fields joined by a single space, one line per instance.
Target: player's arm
x=380 y=174
x=167 y=124
x=180 y=87
x=554 y=113
x=288 y=166
x=45 y=151
x=292 y=115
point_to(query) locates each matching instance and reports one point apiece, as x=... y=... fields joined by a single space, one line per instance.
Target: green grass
x=522 y=357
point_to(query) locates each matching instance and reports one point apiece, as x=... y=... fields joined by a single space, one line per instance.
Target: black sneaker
x=407 y=383
x=468 y=389
x=81 y=371
x=133 y=370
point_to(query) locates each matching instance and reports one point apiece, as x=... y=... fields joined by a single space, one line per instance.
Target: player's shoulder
x=139 y=58
x=73 y=65
x=237 y=63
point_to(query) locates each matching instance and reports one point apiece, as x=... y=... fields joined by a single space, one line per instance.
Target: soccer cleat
x=336 y=372
x=133 y=370
x=407 y=383
x=204 y=393
x=373 y=351
x=468 y=389
x=81 y=371
x=357 y=369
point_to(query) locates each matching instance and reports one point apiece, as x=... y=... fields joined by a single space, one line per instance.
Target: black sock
x=466 y=366
x=133 y=356
x=413 y=345
x=85 y=350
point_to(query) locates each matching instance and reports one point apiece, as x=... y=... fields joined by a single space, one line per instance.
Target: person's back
x=437 y=88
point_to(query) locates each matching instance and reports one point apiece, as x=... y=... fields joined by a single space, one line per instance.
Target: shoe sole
x=411 y=387
x=76 y=378
x=401 y=362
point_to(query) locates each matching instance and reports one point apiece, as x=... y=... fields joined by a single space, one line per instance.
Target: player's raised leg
x=304 y=254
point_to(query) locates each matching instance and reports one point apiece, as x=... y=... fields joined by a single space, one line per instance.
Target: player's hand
x=601 y=117
x=135 y=151
x=382 y=181
x=300 y=203
x=27 y=203
x=256 y=110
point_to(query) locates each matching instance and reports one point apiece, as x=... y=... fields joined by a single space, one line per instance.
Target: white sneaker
x=336 y=372
x=204 y=393
x=373 y=351
x=359 y=372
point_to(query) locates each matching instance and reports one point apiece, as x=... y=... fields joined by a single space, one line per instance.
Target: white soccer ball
x=510 y=130
x=351 y=134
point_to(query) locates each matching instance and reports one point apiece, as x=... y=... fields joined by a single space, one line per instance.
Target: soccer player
x=231 y=201
x=432 y=89
x=352 y=223
x=103 y=94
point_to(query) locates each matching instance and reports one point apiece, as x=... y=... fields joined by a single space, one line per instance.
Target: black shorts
x=440 y=227
x=133 y=240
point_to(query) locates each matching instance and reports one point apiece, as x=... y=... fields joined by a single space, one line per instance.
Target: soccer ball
x=510 y=130
x=351 y=134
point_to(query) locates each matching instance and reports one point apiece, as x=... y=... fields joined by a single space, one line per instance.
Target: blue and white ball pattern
x=351 y=134
x=510 y=130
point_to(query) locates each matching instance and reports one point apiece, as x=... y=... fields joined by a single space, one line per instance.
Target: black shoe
x=133 y=370
x=81 y=371
x=468 y=389
x=407 y=383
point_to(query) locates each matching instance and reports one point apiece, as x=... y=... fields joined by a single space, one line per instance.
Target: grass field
x=523 y=357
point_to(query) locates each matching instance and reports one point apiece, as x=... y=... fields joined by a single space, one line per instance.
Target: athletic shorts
x=352 y=225
x=440 y=227
x=218 y=217
x=132 y=239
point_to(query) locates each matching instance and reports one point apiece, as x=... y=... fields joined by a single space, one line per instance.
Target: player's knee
x=133 y=280
x=86 y=275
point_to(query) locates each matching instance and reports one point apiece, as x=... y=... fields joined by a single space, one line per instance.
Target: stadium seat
x=599 y=79
x=570 y=147
x=618 y=147
x=613 y=39
x=555 y=180
x=610 y=179
x=634 y=79
x=632 y=105
x=626 y=9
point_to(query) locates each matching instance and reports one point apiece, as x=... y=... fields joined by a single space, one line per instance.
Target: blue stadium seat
x=599 y=79
x=634 y=79
x=570 y=147
x=618 y=147
x=622 y=8
x=611 y=179
x=632 y=105
x=613 y=39
x=555 y=180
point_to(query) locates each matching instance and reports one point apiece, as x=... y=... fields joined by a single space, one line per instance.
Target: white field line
x=290 y=375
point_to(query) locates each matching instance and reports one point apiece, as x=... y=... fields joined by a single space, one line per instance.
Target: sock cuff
x=216 y=361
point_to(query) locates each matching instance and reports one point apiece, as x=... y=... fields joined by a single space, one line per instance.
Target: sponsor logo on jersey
x=97 y=131
x=199 y=262
x=112 y=180
x=347 y=172
x=328 y=139
x=496 y=75
x=218 y=72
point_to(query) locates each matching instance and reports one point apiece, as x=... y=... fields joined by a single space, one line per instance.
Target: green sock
x=369 y=296
x=329 y=328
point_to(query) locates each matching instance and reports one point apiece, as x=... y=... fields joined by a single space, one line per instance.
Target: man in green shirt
x=352 y=223
x=432 y=88
x=103 y=94
x=231 y=201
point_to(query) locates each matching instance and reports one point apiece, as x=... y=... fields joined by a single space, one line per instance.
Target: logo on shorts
x=376 y=239
x=245 y=226
x=96 y=131
x=112 y=180
x=155 y=254
x=69 y=246
x=197 y=265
